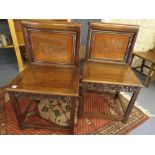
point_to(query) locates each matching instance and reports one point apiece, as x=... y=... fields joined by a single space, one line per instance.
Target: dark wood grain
x=108 y=55
x=47 y=80
x=53 y=68
x=109 y=73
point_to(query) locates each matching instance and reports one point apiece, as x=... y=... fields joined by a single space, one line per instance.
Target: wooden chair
x=53 y=69
x=108 y=54
x=146 y=56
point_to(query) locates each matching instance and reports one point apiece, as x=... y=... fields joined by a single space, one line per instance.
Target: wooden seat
x=48 y=80
x=146 y=56
x=53 y=70
x=107 y=73
x=108 y=55
x=149 y=55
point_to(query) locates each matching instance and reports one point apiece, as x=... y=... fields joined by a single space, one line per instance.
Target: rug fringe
x=137 y=104
x=147 y=112
x=7 y=98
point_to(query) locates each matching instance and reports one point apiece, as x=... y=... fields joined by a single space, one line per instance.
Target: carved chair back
x=111 y=42
x=52 y=42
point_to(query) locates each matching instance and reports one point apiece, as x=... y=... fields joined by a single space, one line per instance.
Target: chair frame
x=58 y=27
x=102 y=88
x=151 y=73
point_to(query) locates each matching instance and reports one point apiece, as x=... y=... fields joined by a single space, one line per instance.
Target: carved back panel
x=111 y=42
x=52 y=42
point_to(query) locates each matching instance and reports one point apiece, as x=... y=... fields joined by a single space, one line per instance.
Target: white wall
x=146 y=35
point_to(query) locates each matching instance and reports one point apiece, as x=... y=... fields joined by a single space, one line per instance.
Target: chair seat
x=150 y=56
x=47 y=80
x=109 y=73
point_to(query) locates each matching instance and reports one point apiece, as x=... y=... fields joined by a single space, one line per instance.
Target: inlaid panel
x=52 y=47
x=108 y=42
x=109 y=46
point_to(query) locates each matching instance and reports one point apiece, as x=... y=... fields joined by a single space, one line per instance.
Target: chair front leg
x=17 y=110
x=2 y=101
x=130 y=105
x=73 y=114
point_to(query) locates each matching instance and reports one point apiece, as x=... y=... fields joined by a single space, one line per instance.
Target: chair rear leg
x=73 y=115
x=130 y=105
x=150 y=74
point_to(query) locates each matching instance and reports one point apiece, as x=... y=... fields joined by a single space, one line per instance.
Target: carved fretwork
x=66 y=99
x=109 y=88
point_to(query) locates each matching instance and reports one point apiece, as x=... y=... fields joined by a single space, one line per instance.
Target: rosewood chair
x=146 y=56
x=52 y=72
x=108 y=54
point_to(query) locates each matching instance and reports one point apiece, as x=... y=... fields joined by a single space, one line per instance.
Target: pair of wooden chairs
x=53 y=70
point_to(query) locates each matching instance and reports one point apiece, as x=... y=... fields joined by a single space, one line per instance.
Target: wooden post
x=131 y=104
x=73 y=114
x=81 y=103
x=149 y=75
x=16 y=45
x=142 y=67
x=17 y=110
x=132 y=58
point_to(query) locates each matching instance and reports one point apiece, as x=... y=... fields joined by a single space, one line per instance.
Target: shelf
x=9 y=46
x=22 y=44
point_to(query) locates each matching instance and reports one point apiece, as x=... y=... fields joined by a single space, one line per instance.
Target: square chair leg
x=73 y=114
x=130 y=105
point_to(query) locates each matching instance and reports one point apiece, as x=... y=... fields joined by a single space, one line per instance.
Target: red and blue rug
x=85 y=126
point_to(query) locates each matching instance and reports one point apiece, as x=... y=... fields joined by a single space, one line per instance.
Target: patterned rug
x=86 y=125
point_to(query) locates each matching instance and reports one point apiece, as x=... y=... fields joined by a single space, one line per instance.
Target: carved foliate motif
x=66 y=99
x=109 y=45
x=109 y=87
x=53 y=46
